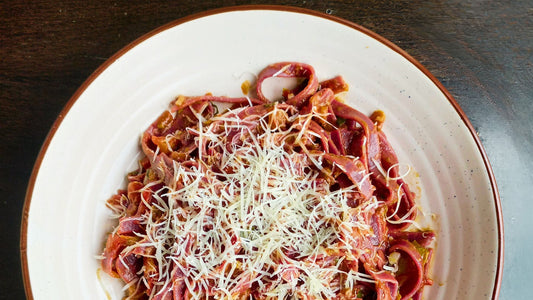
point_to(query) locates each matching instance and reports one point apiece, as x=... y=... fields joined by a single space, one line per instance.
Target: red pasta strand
x=369 y=248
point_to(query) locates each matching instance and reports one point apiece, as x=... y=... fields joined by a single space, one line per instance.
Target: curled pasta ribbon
x=290 y=70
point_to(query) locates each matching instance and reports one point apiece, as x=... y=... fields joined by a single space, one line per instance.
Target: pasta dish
x=297 y=198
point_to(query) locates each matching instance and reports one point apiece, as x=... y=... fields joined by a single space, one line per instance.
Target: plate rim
x=252 y=7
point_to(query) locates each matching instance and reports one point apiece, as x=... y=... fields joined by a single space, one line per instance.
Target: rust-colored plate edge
x=112 y=59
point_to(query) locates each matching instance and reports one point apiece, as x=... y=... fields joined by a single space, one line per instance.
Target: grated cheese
x=228 y=228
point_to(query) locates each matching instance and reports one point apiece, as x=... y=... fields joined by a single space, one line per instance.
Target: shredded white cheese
x=233 y=227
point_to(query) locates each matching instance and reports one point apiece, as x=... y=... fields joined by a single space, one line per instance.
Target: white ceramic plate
x=94 y=142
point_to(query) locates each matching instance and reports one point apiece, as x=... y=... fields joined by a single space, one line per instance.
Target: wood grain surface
x=480 y=50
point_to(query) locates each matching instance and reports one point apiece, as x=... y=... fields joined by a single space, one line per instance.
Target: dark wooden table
x=480 y=50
